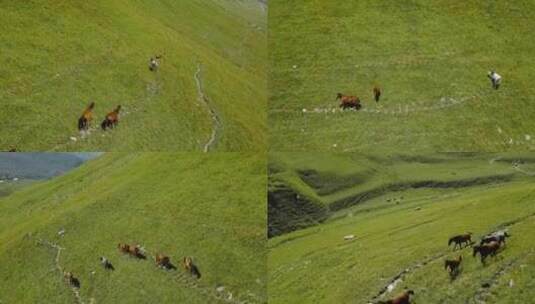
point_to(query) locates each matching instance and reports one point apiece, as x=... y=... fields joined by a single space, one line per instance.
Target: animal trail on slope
x=216 y=122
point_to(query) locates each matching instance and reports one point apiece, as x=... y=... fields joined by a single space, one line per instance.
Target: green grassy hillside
x=402 y=233
x=57 y=57
x=325 y=183
x=210 y=208
x=429 y=57
x=8 y=187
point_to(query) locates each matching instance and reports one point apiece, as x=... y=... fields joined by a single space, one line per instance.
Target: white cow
x=495 y=78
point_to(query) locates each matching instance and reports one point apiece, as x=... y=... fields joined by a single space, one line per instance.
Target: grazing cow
x=403 y=298
x=106 y=263
x=153 y=63
x=133 y=250
x=486 y=250
x=86 y=118
x=73 y=281
x=112 y=119
x=164 y=261
x=495 y=79
x=348 y=101
x=459 y=240
x=187 y=263
x=498 y=236
x=376 y=93
x=453 y=265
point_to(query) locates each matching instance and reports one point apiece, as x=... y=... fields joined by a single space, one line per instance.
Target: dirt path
x=59 y=268
x=392 y=283
x=408 y=107
x=484 y=291
x=399 y=278
x=213 y=114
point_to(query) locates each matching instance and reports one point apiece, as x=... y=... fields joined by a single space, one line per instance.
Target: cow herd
x=489 y=245
x=112 y=118
x=138 y=252
x=353 y=102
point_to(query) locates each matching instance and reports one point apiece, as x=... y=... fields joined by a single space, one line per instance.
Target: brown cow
x=453 y=265
x=164 y=261
x=187 y=263
x=403 y=298
x=376 y=93
x=112 y=119
x=133 y=250
x=486 y=250
x=348 y=101
x=86 y=118
x=461 y=239
x=73 y=281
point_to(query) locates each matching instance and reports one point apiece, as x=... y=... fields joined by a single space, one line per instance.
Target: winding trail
x=482 y=293
x=392 y=283
x=398 y=278
x=406 y=108
x=58 y=249
x=215 y=118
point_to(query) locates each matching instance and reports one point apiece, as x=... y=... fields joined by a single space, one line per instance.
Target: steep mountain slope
x=398 y=238
x=321 y=184
x=210 y=208
x=430 y=57
x=59 y=56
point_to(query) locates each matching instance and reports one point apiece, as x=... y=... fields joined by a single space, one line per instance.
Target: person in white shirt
x=495 y=78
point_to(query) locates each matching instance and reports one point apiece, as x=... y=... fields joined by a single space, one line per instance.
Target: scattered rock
x=349 y=237
x=74 y=138
x=220 y=289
